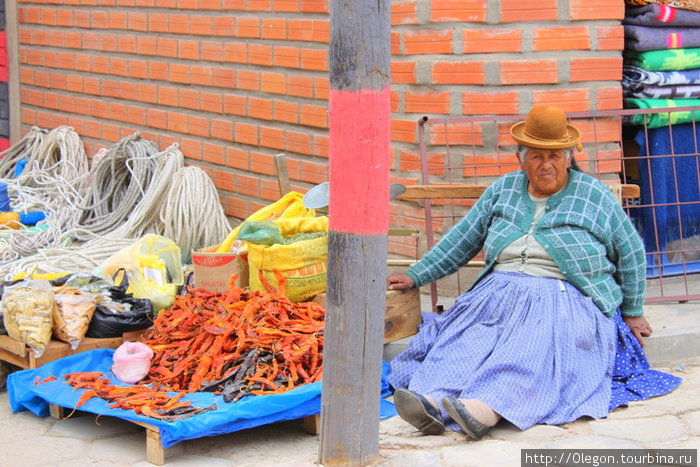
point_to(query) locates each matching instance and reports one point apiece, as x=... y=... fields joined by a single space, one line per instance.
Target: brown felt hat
x=545 y=127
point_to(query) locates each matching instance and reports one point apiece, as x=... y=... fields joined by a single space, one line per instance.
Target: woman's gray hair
x=523 y=150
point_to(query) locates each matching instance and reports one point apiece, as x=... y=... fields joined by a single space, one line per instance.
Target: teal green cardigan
x=584 y=229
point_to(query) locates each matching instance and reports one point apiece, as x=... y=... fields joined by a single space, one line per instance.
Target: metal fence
x=634 y=148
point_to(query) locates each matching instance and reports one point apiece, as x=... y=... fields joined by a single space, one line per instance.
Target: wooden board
x=461 y=191
x=19 y=354
x=402 y=314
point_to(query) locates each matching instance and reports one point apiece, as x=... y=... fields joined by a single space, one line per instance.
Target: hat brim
x=516 y=131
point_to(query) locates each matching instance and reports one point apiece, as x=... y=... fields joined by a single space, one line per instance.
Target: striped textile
x=662 y=119
x=634 y=75
x=680 y=91
x=682 y=4
x=645 y=38
x=665 y=60
x=661 y=16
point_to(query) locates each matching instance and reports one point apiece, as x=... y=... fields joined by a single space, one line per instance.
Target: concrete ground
x=671 y=421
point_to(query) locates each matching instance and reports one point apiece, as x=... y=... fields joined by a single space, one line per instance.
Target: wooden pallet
x=155 y=452
x=19 y=354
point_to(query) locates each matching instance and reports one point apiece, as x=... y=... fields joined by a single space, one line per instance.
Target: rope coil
x=131 y=189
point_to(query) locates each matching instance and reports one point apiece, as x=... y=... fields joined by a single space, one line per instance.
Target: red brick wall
x=235 y=82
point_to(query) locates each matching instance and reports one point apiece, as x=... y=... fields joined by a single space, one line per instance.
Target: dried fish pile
x=236 y=343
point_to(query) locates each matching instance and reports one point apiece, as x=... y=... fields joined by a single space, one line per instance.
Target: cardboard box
x=212 y=270
x=402 y=314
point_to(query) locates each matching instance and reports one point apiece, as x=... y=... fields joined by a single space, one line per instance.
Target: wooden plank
x=465 y=191
x=414 y=192
x=13 y=346
x=631 y=191
x=133 y=336
x=312 y=424
x=18 y=353
x=9 y=357
x=57 y=412
x=155 y=454
x=395 y=262
x=282 y=174
x=401 y=316
x=57 y=349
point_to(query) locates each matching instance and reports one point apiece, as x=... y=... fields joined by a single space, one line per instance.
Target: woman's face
x=546 y=171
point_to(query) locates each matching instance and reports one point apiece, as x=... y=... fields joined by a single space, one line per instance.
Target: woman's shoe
x=417 y=411
x=459 y=413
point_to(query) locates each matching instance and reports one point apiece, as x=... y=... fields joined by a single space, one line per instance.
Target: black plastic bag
x=120 y=313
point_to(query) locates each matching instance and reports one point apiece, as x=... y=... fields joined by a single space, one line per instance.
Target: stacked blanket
x=662 y=71
x=645 y=38
x=661 y=60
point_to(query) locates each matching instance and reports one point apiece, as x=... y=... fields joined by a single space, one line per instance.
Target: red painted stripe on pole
x=360 y=126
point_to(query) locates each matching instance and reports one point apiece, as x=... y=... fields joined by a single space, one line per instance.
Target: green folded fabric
x=666 y=60
x=664 y=118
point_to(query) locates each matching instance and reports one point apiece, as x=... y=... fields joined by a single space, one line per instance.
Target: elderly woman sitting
x=547 y=332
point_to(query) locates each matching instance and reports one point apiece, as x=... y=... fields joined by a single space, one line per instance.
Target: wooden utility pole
x=360 y=116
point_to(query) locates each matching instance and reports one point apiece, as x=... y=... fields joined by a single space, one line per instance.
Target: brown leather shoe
x=419 y=412
x=459 y=413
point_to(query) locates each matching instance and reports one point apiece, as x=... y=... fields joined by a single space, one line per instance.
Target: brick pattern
x=235 y=82
x=233 y=89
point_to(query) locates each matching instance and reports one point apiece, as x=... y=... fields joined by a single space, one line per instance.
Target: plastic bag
x=27 y=308
x=154 y=268
x=302 y=263
x=49 y=276
x=289 y=206
x=118 y=312
x=262 y=233
x=132 y=360
x=72 y=313
x=86 y=282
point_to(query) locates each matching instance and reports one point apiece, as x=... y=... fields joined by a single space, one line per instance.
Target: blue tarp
x=249 y=412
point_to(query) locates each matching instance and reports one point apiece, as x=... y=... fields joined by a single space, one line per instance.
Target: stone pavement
x=671 y=421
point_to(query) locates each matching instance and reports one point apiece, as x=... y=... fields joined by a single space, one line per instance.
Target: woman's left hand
x=639 y=327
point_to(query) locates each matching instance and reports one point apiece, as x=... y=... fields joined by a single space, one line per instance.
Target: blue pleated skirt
x=536 y=350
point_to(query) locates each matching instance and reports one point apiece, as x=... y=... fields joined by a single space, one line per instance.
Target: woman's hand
x=639 y=326
x=399 y=281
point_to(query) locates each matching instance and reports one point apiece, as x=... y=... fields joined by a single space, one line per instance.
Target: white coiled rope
x=22 y=149
x=193 y=202
x=118 y=182
x=56 y=169
x=146 y=216
x=131 y=190
x=62 y=154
